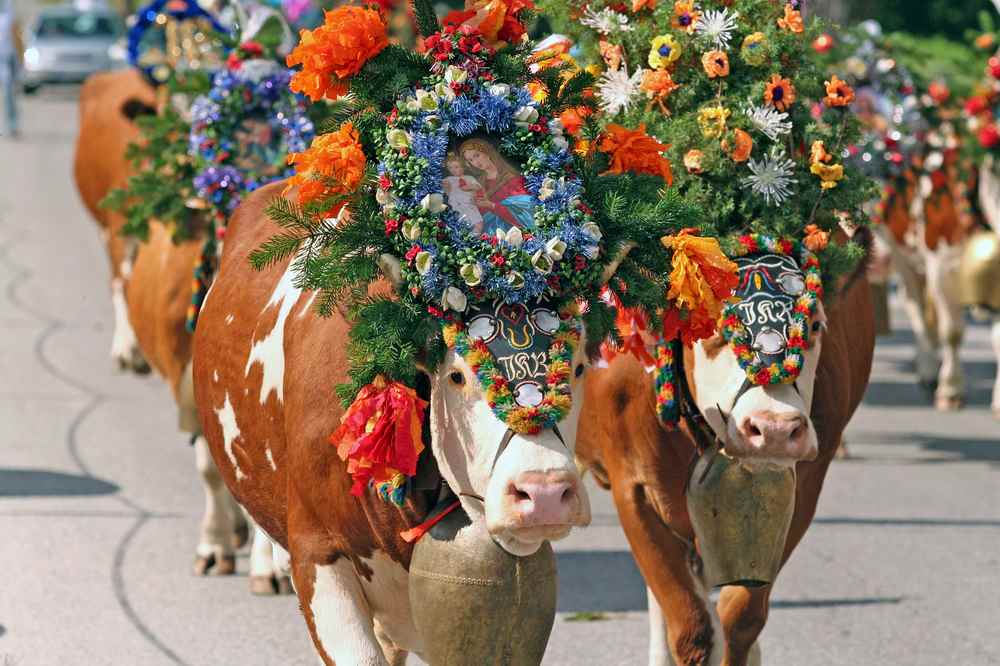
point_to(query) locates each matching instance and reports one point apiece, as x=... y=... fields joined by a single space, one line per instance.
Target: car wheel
x=31 y=88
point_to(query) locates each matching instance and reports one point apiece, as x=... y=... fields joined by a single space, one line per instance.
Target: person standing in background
x=11 y=50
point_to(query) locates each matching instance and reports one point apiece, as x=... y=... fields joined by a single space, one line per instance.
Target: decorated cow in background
x=169 y=207
x=715 y=430
x=438 y=262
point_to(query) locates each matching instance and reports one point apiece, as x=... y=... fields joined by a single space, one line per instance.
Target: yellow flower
x=754 y=49
x=829 y=174
x=664 y=51
x=712 y=120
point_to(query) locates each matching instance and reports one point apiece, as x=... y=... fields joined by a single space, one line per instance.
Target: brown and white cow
x=265 y=368
x=647 y=467
x=989 y=203
x=926 y=229
x=151 y=289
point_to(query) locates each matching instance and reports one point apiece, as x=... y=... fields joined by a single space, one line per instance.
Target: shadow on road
x=949 y=449
x=43 y=483
x=834 y=603
x=906 y=522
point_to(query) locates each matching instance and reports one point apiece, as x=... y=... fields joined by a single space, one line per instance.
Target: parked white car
x=66 y=44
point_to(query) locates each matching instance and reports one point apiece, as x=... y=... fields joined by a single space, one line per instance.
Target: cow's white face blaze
x=765 y=425
x=532 y=492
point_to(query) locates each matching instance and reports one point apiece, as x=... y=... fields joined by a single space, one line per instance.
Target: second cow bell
x=741 y=518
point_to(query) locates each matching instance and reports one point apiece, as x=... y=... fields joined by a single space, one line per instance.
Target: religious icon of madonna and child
x=486 y=190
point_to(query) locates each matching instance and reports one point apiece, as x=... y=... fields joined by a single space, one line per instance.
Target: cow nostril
x=799 y=432
x=521 y=496
x=568 y=495
x=753 y=430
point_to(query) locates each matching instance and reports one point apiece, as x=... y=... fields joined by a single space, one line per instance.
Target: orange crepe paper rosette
x=701 y=280
x=636 y=152
x=816 y=239
x=744 y=146
x=818 y=154
x=496 y=19
x=685 y=16
x=779 y=93
x=716 y=64
x=334 y=164
x=838 y=93
x=658 y=84
x=337 y=50
x=639 y=5
x=792 y=20
x=380 y=435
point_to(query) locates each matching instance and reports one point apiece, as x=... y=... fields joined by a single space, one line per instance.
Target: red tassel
x=413 y=535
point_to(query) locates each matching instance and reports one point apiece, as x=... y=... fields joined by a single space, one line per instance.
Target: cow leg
x=267 y=577
x=913 y=296
x=215 y=553
x=942 y=286
x=995 y=336
x=124 y=345
x=743 y=612
x=335 y=609
x=691 y=630
x=659 y=645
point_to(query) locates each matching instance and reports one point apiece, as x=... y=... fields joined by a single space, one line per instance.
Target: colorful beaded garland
x=665 y=383
x=555 y=404
x=554 y=246
x=736 y=334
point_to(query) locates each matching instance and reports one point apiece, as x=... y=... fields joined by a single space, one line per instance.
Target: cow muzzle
x=535 y=495
x=769 y=426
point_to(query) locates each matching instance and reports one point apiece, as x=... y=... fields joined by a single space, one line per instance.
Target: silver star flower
x=717 y=26
x=769 y=121
x=772 y=178
x=606 y=21
x=616 y=89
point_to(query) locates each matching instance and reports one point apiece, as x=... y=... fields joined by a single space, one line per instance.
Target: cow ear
x=391 y=269
x=616 y=261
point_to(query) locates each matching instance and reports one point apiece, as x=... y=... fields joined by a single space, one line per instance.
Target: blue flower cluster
x=243 y=130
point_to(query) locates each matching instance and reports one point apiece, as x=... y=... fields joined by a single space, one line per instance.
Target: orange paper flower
x=636 y=152
x=744 y=146
x=780 y=93
x=573 y=119
x=658 y=84
x=838 y=93
x=685 y=16
x=816 y=239
x=701 y=280
x=792 y=21
x=716 y=64
x=639 y=5
x=335 y=51
x=818 y=154
x=498 y=20
x=333 y=165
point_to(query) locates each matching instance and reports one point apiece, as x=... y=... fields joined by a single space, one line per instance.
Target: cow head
x=526 y=487
x=767 y=424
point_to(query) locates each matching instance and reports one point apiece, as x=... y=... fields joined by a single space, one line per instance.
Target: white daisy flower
x=617 y=89
x=769 y=121
x=717 y=26
x=772 y=178
x=605 y=21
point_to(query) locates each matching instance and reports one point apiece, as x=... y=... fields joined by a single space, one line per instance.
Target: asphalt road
x=99 y=501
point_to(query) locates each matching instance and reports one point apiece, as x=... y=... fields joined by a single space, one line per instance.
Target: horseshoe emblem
x=512 y=337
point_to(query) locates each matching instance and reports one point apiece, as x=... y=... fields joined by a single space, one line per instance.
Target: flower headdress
x=517 y=229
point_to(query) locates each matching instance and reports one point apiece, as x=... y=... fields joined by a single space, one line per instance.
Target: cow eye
x=579 y=370
x=817 y=326
x=457 y=378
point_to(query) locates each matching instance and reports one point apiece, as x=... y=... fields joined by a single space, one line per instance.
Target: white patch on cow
x=261 y=554
x=386 y=592
x=308 y=306
x=270 y=459
x=215 y=376
x=659 y=639
x=270 y=351
x=216 y=537
x=124 y=346
x=229 y=319
x=341 y=616
x=230 y=431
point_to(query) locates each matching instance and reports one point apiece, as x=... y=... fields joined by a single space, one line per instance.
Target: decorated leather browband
x=767 y=324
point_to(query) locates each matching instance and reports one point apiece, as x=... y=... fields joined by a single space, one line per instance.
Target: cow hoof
x=285 y=585
x=134 y=362
x=929 y=386
x=948 y=404
x=205 y=565
x=269 y=586
x=241 y=536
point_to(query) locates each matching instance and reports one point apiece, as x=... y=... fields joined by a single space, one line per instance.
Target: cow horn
x=390 y=267
x=612 y=267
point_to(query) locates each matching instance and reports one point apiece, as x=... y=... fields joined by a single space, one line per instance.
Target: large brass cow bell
x=979 y=273
x=474 y=603
x=741 y=519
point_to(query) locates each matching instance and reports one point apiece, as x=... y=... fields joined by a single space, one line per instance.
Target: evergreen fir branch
x=287 y=214
x=275 y=250
x=427 y=21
